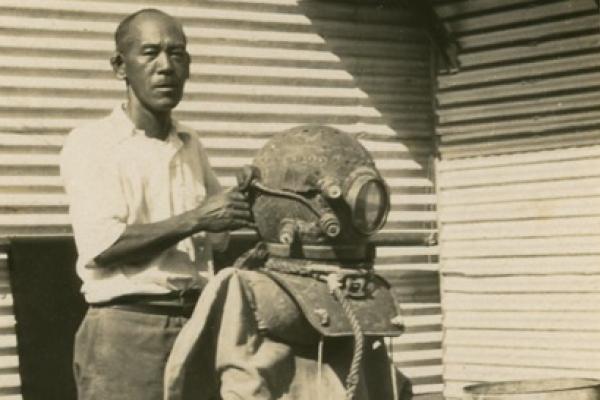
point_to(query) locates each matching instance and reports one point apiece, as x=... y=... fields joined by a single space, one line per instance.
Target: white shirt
x=116 y=176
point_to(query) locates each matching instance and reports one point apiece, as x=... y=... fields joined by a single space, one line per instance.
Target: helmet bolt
x=330 y=188
x=334 y=192
x=323 y=316
x=330 y=224
x=287 y=232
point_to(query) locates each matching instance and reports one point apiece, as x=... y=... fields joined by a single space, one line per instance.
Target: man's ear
x=118 y=66
x=189 y=62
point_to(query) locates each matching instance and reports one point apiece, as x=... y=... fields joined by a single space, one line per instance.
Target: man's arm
x=140 y=242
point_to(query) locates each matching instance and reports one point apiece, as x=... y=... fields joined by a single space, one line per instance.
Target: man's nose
x=163 y=62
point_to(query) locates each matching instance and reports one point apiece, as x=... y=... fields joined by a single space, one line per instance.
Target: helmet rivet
x=330 y=224
x=287 y=233
x=330 y=187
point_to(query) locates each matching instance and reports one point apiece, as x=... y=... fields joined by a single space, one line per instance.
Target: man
x=139 y=186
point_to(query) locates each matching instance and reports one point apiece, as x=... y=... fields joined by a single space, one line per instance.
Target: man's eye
x=178 y=53
x=149 y=52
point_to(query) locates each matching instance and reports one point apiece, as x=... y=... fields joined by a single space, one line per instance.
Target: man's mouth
x=165 y=86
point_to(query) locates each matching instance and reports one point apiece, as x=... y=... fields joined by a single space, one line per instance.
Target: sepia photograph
x=299 y=200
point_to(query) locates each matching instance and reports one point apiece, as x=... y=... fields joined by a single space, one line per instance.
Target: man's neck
x=155 y=124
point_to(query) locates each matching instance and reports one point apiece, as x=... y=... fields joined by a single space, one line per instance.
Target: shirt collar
x=125 y=128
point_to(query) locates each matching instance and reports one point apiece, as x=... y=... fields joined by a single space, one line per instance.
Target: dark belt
x=173 y=304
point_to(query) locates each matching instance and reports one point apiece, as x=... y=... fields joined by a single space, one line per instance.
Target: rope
x=252 y=258
x=287 y=267
x=354 y=373
x=318 y=271
x=332 y=277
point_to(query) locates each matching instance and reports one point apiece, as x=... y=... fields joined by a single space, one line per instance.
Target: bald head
x=129 y=25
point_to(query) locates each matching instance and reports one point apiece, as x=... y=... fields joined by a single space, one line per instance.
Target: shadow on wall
x=382 y=54
x=389 y=60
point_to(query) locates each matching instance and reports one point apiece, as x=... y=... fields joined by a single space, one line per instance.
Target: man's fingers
x=241 y=223
x=246 y=224
x=241 y=214
x=235 y=194
x=251 y=225
x=240 y=205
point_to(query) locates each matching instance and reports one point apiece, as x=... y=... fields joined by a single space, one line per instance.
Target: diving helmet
x=316 y=194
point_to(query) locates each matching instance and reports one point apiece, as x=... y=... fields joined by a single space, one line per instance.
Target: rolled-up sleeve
x=97 y=206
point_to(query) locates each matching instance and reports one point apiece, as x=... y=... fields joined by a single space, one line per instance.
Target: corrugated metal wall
x=519 y=186
x=10 y=381
x=529 y=79
x=259 y=66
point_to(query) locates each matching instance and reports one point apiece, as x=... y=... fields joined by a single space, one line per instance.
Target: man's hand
x=224 y=212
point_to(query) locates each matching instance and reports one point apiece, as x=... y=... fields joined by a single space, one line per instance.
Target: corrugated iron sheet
x=259 y=66
x=520 y=253
x=518 y=191
x=10 y=380
x=530 y=69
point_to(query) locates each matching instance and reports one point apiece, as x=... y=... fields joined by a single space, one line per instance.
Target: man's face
x=156 y=63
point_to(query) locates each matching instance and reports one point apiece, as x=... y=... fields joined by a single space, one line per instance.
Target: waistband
x=177 y=304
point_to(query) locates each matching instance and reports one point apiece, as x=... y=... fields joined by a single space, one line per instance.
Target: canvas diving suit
x=301 y=316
